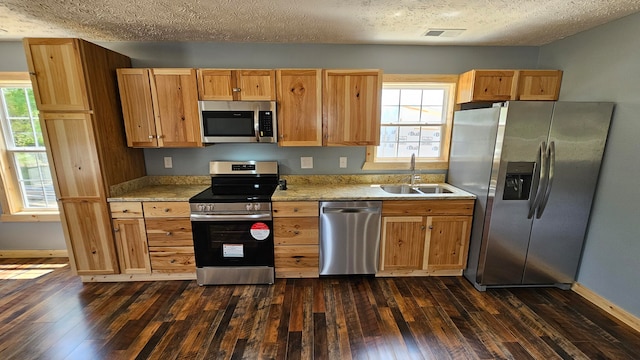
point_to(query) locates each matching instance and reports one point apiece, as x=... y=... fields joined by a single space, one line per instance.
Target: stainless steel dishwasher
x=349 y=237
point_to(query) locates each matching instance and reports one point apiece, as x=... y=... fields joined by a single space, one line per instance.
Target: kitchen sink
x=417 y=190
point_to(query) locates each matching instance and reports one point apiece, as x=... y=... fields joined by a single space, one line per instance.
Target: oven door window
x=228 y=123
x=233 y=243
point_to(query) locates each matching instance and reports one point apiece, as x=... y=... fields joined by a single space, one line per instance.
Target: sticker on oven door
x=260 y=231
x=233 y=250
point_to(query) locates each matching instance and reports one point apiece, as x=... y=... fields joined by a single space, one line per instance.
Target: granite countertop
x=160 y=193
x=300 y=188
x=302 y=192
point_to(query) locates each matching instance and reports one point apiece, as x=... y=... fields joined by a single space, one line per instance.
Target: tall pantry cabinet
x=76 y=92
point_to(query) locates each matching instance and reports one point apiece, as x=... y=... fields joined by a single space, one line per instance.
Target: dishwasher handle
x=350 y=210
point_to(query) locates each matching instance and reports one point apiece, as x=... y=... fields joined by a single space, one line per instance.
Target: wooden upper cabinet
x=227 y=84
x=504 y=85
x=539 y=84
x=160 y=107
x=137 y=107
x=299 y=107
x=351 y=107
x=57 y=74
x=486 y=85
x=72 y=148
x=175 y=102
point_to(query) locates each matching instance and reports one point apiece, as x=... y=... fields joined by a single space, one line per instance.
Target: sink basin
x=399 y=189
x=417 y=190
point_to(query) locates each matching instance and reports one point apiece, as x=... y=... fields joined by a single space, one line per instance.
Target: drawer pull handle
x=173 y=261
x=295 y=209
x=169 y=233
x=116 y=229
x=166 y=210
x=296 y=232
x=430 y=227
x=125 y=211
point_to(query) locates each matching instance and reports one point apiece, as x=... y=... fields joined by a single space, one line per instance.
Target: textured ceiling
x=485 y=22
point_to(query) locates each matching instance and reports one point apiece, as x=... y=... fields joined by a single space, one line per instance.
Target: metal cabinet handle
x=423 y=227
x=125 y=211
x=236 y=89
x=169 y=233
x=116 y=229
x=296 y=232
x=295 y=209
x=151 y=136
x=166 y=210
x=430 y=227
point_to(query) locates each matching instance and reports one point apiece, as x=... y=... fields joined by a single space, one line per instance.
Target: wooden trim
x=7 y=77
x=371 y=162
x=410 y=272
x=19 y=254
x=606 y=305
x=139 y=277
x=53 y=216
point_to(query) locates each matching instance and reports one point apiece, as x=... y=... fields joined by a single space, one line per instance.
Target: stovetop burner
x=249 y=181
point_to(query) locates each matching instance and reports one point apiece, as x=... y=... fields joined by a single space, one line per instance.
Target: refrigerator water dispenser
x=517 y=184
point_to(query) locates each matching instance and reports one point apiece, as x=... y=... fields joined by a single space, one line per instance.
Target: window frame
x=11 y=201
x=442 y=163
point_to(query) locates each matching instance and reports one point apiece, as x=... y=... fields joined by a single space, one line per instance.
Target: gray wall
x=603 y=64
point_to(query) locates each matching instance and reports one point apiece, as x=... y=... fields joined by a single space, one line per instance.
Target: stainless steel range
x=233 y=226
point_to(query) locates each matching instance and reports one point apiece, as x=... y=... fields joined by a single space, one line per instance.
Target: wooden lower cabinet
x=131 y=237
x=296 y=239
x=425 y=237
x=87 y=226
x=169 y=237
x=131 y=242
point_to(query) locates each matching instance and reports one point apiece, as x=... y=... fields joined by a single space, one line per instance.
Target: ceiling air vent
x=444 y=32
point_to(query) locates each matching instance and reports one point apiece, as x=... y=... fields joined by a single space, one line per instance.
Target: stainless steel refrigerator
x=533 y=166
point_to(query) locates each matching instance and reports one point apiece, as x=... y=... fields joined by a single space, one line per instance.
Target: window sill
x=435 y=165
x=31 y=216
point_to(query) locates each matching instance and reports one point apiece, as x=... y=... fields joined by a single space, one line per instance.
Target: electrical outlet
x=168 y=162
x=306 y=162
x=343 y=162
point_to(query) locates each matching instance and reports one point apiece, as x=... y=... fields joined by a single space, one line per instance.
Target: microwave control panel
x=265 y=124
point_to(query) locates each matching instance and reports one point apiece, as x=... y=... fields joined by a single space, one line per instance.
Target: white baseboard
x=15 y=254
x=607 y=306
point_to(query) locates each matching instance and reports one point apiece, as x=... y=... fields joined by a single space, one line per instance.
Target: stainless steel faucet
x=412 y=167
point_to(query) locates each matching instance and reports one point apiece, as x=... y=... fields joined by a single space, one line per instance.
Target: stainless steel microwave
x=238 y=121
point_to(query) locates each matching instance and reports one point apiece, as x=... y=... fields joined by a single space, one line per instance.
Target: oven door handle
x=196 y=217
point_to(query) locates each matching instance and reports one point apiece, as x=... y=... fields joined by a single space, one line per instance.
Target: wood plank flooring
x=55 y=316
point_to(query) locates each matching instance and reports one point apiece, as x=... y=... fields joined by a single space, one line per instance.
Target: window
x=416 y=116
x=27 y=192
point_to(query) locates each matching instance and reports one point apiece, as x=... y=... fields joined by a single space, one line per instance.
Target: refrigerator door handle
x=539 y=183
x=551 y=155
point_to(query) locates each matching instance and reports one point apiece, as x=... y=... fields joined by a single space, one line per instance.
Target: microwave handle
x=256 y=122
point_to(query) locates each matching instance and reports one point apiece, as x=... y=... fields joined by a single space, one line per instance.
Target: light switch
x=168 y=162
x=306 y=162
x=343 y=162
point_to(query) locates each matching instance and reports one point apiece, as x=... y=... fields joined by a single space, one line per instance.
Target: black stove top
x=233 y=182
x=238 y=194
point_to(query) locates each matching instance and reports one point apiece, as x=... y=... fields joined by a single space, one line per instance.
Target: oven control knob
x=209 y=207
x=256 y=206
x=200 y=207
x=248 y=207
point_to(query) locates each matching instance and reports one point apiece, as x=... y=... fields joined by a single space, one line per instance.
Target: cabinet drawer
x=428 y=207
x=169 y=232
x=296 y=231
x=296 y=257
x=168 y=259
x=295 y=208
x=166 y=209
x=125 y=209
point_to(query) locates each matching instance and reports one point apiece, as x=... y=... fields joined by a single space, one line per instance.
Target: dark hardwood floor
x=55 y=316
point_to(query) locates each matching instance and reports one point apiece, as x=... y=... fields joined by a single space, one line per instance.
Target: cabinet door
x=137 y=107
x=89 y=236
x=72 y=147
x=539 y=84
x=216 y=84
x=351 y=107
x=403 y=239
x=486 y=85
x=447 y=242
x=175 y=102
x=57 y=74
x=300 y=107
x=131 y=243
x=257 y=85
